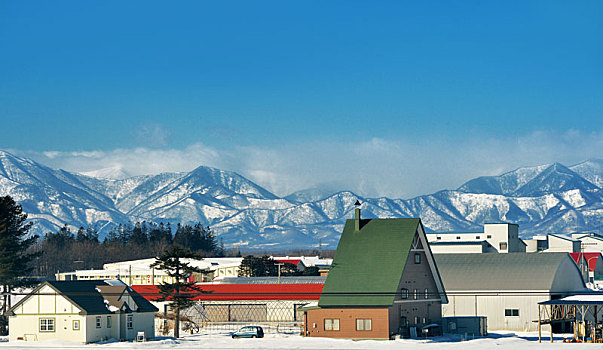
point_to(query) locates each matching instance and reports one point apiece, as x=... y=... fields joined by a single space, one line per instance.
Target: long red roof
x=298 y=291
x=591 y=259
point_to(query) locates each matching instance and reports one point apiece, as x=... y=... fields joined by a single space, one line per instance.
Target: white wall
x=453 y=249
x=493 y=307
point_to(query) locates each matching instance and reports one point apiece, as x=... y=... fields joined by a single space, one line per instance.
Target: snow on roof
x=594 y=298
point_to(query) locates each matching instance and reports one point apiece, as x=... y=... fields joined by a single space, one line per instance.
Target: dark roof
x=87 y=296
x=369 y=263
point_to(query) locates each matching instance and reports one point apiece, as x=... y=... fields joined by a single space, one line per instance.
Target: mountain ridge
x=541 y=199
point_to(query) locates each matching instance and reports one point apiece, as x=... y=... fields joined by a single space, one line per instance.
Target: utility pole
x=279 y=271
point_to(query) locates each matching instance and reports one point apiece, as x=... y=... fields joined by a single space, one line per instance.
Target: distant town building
x=552 y=243
x=383 y=281
x=82 y=311
x=590 y=242
x=496 y=238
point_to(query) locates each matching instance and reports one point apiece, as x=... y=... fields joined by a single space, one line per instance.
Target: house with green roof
x=81 y=311
x=383 y=281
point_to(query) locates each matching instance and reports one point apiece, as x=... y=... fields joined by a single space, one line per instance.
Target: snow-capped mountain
x=542 y=199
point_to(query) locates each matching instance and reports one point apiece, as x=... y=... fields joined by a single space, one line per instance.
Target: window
x=503 y=245
x=417 y=319
x=511 y=312
x=417 y=258
x=130 y=321
x=426 y=293
x=108 y=321
x=404 y=293
x=416 y=294
x=47 y=325
x=364 y=324
x=98 y=322
x=489 y=236
x=425 y=320
x=331 y=324
x=476 y=237
x=458 y=237
x=76 y=325
x=438 y=237
x=403 y=321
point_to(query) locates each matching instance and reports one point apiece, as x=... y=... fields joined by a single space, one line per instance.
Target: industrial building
x=506 y=288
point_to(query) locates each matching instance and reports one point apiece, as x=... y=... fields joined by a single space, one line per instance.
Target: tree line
x=65 y=250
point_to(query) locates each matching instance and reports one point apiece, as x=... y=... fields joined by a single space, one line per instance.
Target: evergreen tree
x=182 y=291
x=15 y=261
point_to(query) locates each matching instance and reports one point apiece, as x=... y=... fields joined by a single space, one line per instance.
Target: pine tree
x=182 y=290
x=15 y=261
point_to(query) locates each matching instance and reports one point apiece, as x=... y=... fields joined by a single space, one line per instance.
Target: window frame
x=130 y=321
x=426 y=293
x=417 y=258
x=334 y=324
x=109 y=321
x=361 y=324
x=404 y=293
x=416 y=294
x=99 y=323
x=51 y=322
x=511 y=312
x=503 y=245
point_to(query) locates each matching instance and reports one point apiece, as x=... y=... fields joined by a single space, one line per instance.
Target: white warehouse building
x=506 y=288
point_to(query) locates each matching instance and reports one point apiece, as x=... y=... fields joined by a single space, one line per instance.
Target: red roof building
x=591 y=261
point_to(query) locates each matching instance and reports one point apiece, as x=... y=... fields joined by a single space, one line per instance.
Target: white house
x=81 y=311
x=506 y=288
x=496 y=238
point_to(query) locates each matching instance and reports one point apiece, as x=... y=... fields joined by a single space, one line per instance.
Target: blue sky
x=289 y=94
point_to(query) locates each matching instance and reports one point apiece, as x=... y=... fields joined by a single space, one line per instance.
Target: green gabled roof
x=368 y=264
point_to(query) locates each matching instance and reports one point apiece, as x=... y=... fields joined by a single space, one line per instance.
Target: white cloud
x=152 y=135
x=374 y=167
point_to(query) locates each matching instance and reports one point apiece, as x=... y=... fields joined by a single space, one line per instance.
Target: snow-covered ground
x=499 y=340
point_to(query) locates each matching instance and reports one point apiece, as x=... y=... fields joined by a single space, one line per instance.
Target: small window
x=458 y=237
x=503 y=245
x=511 y=312
x=76 y=325
x=416 y=294
x=489 y=236
x=477 y=237
x=47 y=325
x=404 y=293
x=130 y=321
x=98 y=322
x=108 y=321
x=331 y=324
x=403 y=321
x=426 y=293
x=364 y=324
x=417 y=258
x=425 y=320
x=417 y=319
x=439 y=237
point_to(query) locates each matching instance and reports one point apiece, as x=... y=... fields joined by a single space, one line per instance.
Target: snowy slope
x=548 y=198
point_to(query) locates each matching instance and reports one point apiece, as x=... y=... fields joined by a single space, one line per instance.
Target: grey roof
x=510 y=271
x=274 y=280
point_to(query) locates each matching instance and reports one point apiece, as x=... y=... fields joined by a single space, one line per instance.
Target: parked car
x=249 y=332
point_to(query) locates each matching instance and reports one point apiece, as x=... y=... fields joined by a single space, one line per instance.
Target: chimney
x=357 y=216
